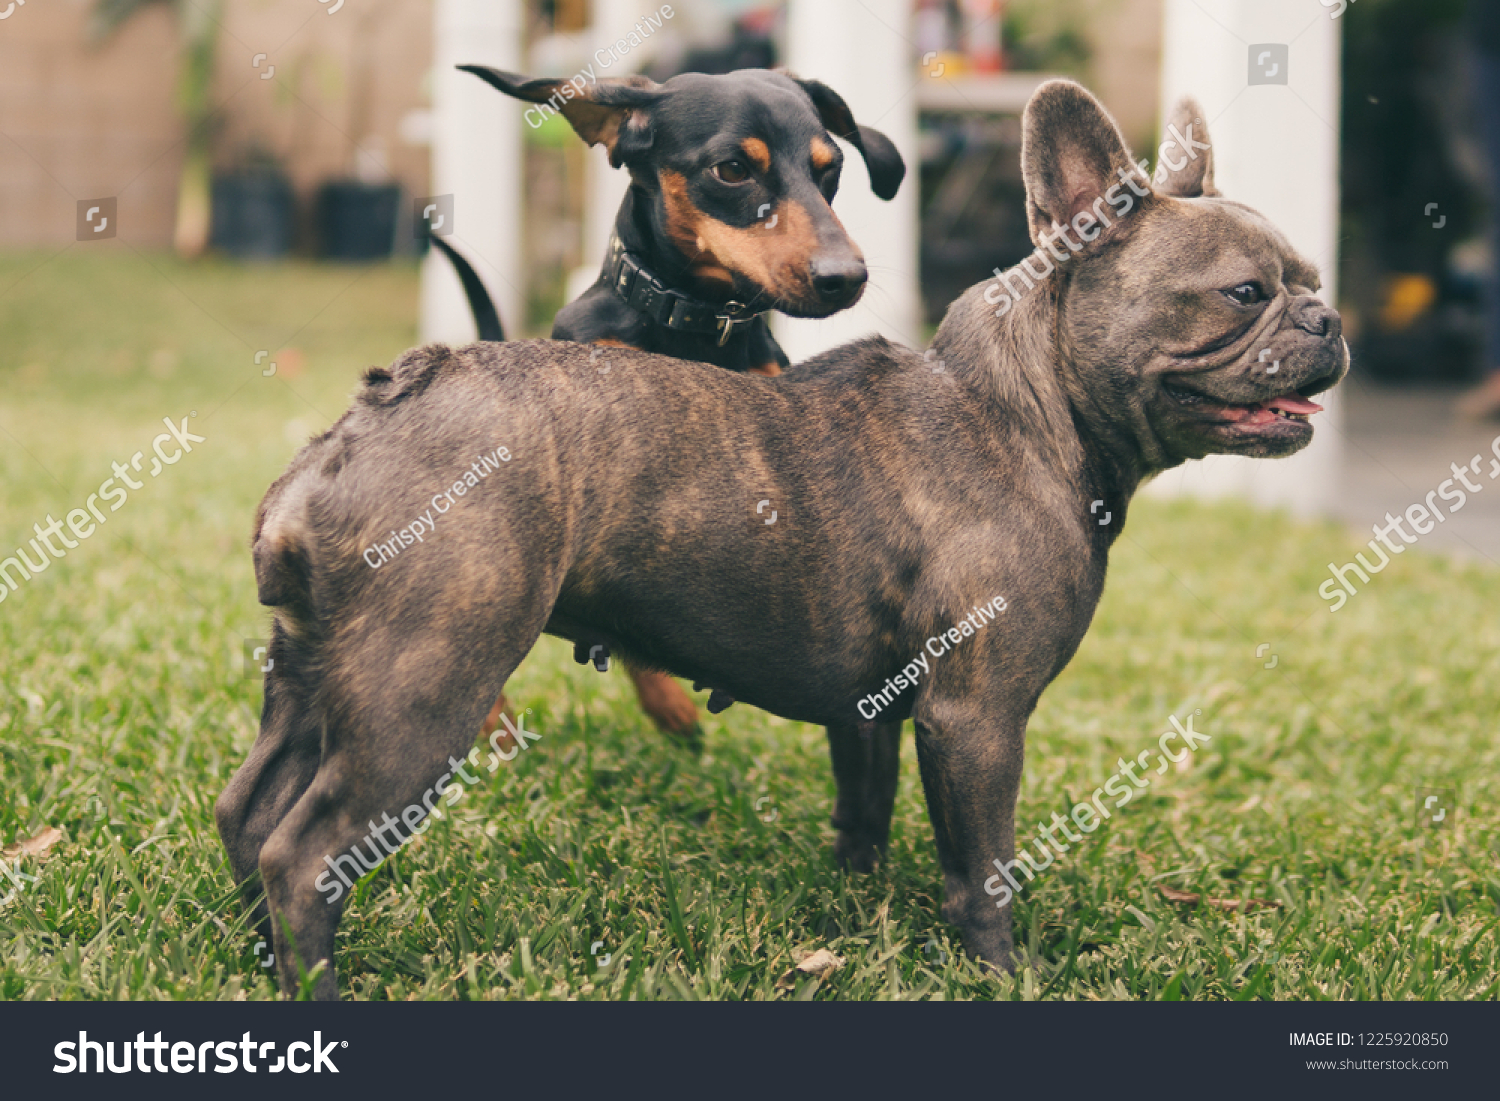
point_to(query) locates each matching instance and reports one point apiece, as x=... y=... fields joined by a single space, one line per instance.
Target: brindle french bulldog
x=625 y=510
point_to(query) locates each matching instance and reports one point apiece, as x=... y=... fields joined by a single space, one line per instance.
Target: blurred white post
x=605 y=187
x=1276 y=148
x=476 y=158
x=861 y=49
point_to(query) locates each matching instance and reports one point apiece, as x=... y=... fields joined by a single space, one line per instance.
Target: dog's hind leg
x=662 y=698
x=399 y=713
x=866 y=766
x=281 y=764
x=502 y=709
x=670 y=708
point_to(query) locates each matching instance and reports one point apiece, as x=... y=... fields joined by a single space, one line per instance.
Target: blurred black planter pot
x=253 y=214
x=357 y=221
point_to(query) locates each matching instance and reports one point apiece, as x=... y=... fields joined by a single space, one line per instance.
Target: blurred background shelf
x=997 y=93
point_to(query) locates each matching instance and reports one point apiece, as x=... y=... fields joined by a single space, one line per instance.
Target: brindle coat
x=907 y=490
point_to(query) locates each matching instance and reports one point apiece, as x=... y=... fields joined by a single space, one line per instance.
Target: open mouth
x=1290 y=406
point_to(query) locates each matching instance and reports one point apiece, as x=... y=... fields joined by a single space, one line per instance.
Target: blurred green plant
x=1048 y=35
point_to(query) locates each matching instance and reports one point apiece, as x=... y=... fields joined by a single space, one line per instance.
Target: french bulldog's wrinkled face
x=1188 y=317
x=1256 y=343
x=1225 y=340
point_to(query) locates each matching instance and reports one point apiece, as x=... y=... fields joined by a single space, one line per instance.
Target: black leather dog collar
x=642 y=290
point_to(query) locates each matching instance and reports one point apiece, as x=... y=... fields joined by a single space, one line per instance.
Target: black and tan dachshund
x=727 y=218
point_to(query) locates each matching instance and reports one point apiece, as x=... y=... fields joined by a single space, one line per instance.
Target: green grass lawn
x=125 y=706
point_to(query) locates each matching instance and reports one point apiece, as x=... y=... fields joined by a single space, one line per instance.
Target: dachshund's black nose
x=836 y=281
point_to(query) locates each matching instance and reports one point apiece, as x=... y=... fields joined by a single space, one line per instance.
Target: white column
x=476 y=158
x=1275 y=149
x=860 y=49
x=605 y=187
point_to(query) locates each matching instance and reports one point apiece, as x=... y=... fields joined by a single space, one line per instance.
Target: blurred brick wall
x=78 y=122
x=309 y=114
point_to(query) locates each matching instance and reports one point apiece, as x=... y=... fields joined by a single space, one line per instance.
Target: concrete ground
x=1399 y=444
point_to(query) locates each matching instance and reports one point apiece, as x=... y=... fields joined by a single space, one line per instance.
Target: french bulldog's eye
x=730 y=172
x=1246 y=294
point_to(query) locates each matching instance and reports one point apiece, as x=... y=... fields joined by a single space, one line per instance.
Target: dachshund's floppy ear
x=885 y=164
x=614 y=112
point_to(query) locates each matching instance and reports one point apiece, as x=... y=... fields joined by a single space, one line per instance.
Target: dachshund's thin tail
x=486 y=317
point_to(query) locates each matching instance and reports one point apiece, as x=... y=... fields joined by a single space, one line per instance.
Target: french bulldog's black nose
x=1312 y=316
x=837 y=280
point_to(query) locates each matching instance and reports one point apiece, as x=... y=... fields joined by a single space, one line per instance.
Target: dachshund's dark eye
x=828 y=179
x=731 y=172
x=1246 y=294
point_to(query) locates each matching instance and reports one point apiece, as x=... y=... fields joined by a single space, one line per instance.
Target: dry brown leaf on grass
x=1188 y=898
x=34 y=846
x=821 y=963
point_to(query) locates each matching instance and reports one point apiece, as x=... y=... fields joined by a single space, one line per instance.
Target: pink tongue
x=1292 y=403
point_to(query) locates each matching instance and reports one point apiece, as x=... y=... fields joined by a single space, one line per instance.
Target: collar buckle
x=734 y=315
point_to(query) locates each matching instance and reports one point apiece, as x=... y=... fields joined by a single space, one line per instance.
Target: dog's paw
x=690 y=739
x=856 y=854
x=992 y=947
x=1005 y=965
x=589 y=651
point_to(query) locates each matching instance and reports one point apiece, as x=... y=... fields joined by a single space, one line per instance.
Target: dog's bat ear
x=1185 y=161
x=613 y=113
x=1074 y=160
x=884 y=162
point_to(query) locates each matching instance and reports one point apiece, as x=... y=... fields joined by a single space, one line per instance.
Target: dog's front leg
x=971 y=755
